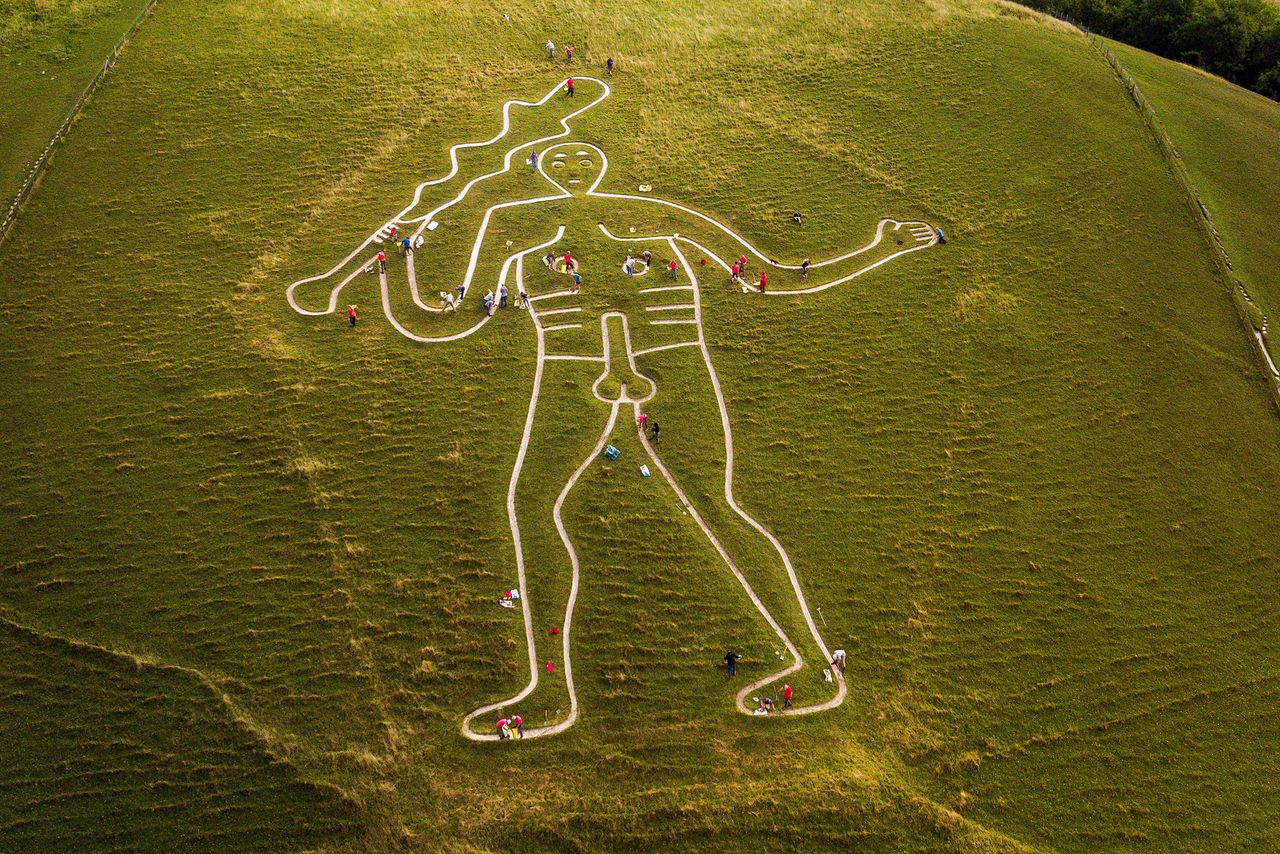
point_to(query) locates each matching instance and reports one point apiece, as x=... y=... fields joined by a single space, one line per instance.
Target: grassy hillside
x=1226 y=136
x=49 y=51
x=1027 y=476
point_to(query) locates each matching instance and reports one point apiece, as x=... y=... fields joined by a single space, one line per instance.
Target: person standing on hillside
x=382 y=262
x=577 y=281
x=786 y=696
x=568 y=55
x=730 y=664
x=568 y=88
x=351 y=316
x=502 y=296
x=608 y=66
x=406 y=246
x=673 y=268
x=533 y=161
x=551 y=49
x=654 y=436
x=742 y=264
x=804 y=269
x=764 y=280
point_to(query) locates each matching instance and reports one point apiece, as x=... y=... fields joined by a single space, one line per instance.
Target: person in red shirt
x=382 y=262
x=568 y=88
x=504 y=728
x=550 y=666
x=351 y=316
x=733 y=273
x=568 y=54
x=786 y=696
x=764 y=280
x=742 y=264
x=672 y=268
x=517 y=724
x=568 y=262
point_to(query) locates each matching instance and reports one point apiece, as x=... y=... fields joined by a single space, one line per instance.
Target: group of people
x=568 y=58
x=570 y=267
x=512 y=727
x=738 y=273
x=769 y=704
x=647 y=427
x=630 y=266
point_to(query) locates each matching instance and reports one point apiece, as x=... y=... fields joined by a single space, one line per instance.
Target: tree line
x=1235 y=39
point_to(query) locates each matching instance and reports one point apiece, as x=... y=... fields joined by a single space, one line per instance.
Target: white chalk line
x=386 y=298
x=506 y=167
x=552 y=295
x=667 y=347
x=672 y=322
x=667 y=307
x=562 y=326
x=624 y=397
x=550 y=312
x=924 y=237
x=880 y=229
x=668 y=288
x=842 y=689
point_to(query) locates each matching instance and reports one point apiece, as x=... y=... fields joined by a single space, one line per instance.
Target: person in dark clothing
x=654 y=437
x=804 y=269
x=608 y=66
x=731 y=663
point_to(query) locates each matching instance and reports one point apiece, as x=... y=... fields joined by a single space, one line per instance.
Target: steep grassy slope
x=1026 y=475
x=49 y=51
x=1227 y=138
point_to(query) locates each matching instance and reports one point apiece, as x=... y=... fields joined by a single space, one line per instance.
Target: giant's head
x=575 y=167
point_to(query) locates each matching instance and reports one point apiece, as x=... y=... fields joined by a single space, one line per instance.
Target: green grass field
x=49 y=51
x=251 y=559
x=1226 y=136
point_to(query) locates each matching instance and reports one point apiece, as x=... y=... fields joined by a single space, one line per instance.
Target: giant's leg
x=697 y=458
x=565 y=430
